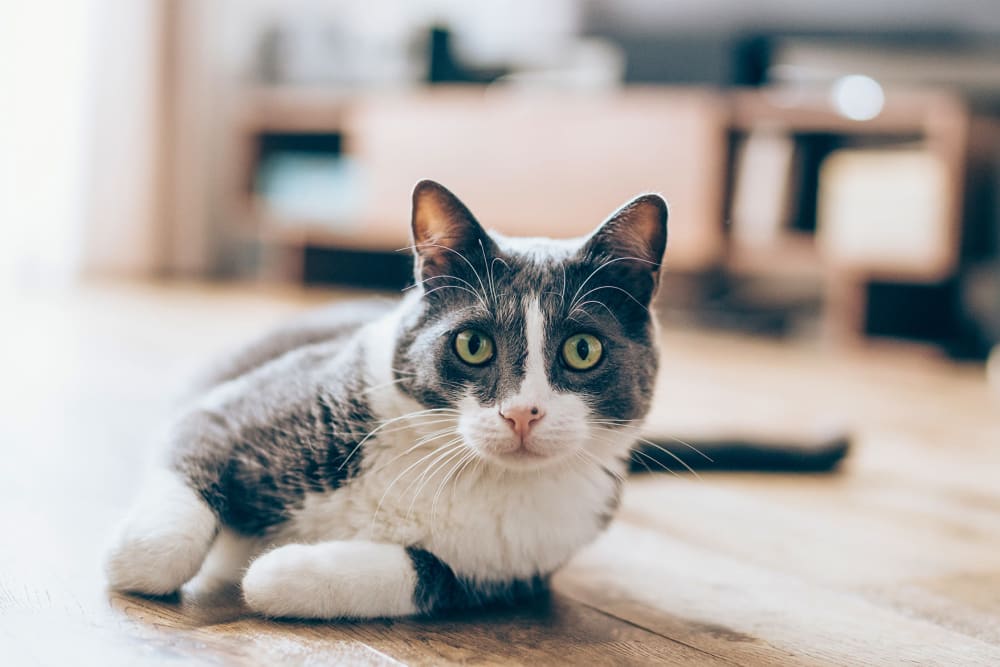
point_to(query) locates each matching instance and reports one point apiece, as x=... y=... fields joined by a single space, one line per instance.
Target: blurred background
x=832 y=167
x=176 y=175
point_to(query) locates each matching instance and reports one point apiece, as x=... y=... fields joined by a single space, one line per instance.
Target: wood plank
x=841 y=542
x=555 y=630
x=748 y=613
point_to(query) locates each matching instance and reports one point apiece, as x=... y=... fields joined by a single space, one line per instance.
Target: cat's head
x=540 y=350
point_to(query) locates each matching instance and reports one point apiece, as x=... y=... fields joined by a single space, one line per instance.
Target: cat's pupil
x=582 y=348
x=474 y=344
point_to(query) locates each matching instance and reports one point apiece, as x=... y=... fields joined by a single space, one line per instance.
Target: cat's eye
x=474 y=347
x=582 y=351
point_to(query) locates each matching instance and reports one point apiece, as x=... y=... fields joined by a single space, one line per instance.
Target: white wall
x=46 y=69
x=79 y=129
x=122 y=236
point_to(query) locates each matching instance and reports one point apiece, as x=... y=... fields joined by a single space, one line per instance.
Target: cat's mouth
x=522 y=456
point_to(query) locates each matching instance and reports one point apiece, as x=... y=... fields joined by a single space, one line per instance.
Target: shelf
x=790 y=255
x=539 y=175
x=905 y=112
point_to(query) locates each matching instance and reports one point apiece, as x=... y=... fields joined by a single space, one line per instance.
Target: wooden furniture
x=934 y=123
x=527 y=164
x=553 y=163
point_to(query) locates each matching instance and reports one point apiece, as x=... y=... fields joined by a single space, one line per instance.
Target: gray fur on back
x=279 y=419
x=332 y=323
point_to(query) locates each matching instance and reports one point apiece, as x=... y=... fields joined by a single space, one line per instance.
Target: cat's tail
x=741 y=454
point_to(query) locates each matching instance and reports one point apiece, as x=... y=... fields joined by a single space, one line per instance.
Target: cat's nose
x=521 y=418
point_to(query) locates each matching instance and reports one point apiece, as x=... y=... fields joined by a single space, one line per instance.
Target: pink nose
x=521 y=418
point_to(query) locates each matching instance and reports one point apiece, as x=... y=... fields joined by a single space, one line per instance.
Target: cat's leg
x=343 y=579
x=164 y=539
x=227 y=561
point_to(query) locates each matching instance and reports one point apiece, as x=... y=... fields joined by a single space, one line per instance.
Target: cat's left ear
x=630 y=244
x=447 y=239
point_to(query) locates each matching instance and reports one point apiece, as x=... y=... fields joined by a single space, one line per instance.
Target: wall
x=723 y=15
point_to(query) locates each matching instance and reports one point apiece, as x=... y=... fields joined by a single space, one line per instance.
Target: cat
x=446 y=451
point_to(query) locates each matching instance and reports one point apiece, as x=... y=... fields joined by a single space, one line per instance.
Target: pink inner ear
x=649 y=226
x=430 y=223
x=437 y=238
x=444 y=231
x=638 y=229
x=439 y=217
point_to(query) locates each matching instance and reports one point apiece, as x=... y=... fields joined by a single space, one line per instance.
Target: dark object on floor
x=740 y=454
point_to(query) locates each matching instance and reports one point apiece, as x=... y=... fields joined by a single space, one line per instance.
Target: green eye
x=474 y=347
x=582 y=351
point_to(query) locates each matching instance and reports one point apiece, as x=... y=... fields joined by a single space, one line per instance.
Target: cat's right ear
x=628 y=247
x=447 y=239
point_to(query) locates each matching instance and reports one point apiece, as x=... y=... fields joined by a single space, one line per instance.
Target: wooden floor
x=896 y=560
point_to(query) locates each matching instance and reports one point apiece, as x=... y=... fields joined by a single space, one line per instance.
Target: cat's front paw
x=162 y=544
x=275 y=583
x=153 y=563
x=351 y=579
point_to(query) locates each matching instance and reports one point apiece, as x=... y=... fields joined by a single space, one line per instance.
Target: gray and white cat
x=449 y=450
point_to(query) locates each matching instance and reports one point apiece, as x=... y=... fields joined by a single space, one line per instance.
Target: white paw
x=163 y=542
x=331 y=580
x=150 y=564
x=276 y=583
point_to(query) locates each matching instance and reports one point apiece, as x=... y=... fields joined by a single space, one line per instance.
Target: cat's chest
x=484 y=524
x=503 y=526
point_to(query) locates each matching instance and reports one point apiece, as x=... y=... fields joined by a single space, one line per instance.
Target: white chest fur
x=485 y=523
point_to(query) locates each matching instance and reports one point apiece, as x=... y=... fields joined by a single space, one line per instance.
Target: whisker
x=489 y=271
x=459 y=287
x=628 y=423
x=444 y=276
x=693 y=448
x=383 y=385
x=448 y=448
x=581 y=308
x=423 y=424
x=616 y=431
x=600 y=268
x=407 y=427
x=466 y=461
x=444 y=482
x=616 y=422
x=492 y=278
x=417 y=413
x=406 y=470
x=562 y=297
x=409 y=415
x=436 y=465
x=671 y=455
x=648 y=469
x=590 y=458
x=619 y=289
x=443 y=433
x=657 y=462
x=464 y=259
x=659 y=447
